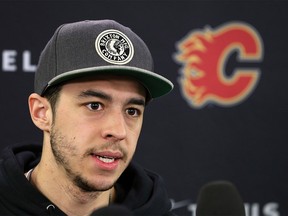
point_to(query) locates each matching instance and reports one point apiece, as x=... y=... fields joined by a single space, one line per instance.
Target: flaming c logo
x=204 y=55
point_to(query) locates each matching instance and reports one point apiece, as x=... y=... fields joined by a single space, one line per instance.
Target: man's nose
x=114 y=126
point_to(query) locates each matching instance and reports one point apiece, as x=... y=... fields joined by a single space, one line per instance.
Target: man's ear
x=40 y=111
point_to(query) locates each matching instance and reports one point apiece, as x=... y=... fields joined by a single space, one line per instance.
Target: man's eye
x=133 y=112
x=94 y=106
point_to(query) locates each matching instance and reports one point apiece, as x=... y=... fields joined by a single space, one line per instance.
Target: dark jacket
x=139 y=190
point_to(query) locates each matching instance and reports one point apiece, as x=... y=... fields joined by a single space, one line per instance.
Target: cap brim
x=156 y=84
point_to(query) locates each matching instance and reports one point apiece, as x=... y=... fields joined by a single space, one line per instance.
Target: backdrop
x=227 y=116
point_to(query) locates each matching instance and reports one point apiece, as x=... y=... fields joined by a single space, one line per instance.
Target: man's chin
x=86 y=186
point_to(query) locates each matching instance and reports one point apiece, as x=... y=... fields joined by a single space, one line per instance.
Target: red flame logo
x=204 y=55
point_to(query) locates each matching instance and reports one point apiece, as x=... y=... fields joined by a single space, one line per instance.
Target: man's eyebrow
x=137 y=101
x=102 y=95
x=93 y=93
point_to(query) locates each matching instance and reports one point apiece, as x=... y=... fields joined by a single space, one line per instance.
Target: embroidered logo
x=114 y=47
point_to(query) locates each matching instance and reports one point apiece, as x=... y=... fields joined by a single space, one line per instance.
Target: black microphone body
x=219 y=198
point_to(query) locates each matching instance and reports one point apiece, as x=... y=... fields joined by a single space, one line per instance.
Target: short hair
x=52 y=95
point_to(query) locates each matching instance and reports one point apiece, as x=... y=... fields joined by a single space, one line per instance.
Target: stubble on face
x=63 y=151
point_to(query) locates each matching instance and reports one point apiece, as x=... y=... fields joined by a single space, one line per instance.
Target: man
x=93 y=81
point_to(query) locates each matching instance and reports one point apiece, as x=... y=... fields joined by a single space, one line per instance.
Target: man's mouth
x=106 y=159
x=107 y=156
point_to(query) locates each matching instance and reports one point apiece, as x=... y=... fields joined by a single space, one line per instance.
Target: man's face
x=96 y=129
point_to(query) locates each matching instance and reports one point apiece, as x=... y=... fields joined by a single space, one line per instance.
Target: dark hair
x=52 y=95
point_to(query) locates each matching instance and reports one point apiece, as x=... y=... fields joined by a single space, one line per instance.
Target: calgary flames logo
x=204 y=55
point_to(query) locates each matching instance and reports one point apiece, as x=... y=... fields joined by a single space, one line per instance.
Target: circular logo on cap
x=114 y=47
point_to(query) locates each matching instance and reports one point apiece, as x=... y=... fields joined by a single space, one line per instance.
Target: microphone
x=112 y=210
x=219 y=198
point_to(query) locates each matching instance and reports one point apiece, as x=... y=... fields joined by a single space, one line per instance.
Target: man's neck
x=67 y=196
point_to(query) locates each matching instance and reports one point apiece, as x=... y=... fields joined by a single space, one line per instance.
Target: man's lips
x=107 y=160
x=107 y=156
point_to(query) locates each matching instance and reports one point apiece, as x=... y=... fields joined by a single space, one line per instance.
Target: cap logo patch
x=114 y=47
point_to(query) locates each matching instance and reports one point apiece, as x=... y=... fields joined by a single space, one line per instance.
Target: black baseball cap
x=93 y=47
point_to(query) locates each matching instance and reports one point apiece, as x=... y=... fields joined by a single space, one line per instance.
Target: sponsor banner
x=187 y=207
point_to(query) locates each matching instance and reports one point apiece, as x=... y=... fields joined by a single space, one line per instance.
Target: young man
x=93 y=81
